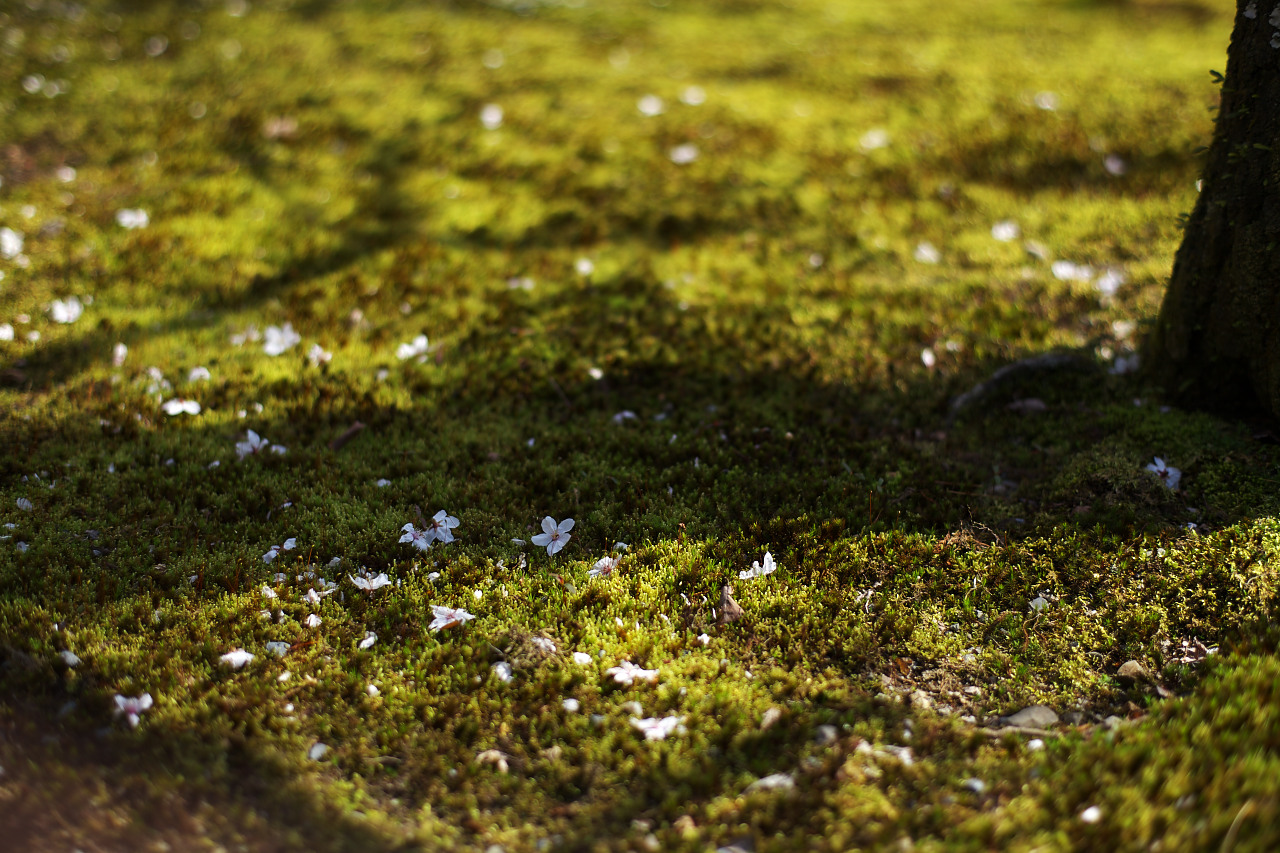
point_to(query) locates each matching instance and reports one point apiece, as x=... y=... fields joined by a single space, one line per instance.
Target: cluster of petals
x=553 y=536
x=132 y=218
x=447 y=617
x=627 y=673
x=371 y=584
x=66 y=310
x=420 y=539
x=132 y=707
x=416 y=347
x=657 y=728
x=277 y=339
x=181 y=406
x=757 y=570
x=288 y=545
x=255 y=444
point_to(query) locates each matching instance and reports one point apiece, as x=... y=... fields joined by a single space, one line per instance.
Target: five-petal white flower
x=441 y=526
x=553 y=536
x=1168 y=475
x=447 y=617
x=757 y=570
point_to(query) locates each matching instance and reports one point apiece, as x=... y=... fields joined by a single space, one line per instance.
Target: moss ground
x=741 y=269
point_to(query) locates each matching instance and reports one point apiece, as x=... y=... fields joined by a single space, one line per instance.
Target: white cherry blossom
x=553 y=536
x=447 y=617
x=420 y=539
x=1168 y=475
x=441 y=526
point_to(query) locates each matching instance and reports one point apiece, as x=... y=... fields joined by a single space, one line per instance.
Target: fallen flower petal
x=371 y=584
x=627 y=672
x=553 y=536
x=757 y=570
x=1168 y=475
x=447 y=617
x=236 y=658
x=179 y=406
x=656 y=728
x=131 y=707
x=420 y=539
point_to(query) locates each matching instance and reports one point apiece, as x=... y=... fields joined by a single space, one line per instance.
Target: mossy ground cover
x=704 y=324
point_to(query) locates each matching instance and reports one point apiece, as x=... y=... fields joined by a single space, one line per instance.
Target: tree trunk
x=1215 y=343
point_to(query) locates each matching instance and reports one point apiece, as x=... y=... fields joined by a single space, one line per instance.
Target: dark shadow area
x=68 y=786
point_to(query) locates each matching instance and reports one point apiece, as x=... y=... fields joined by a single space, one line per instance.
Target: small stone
x=770 y=717
x=826 y=734
x=1073 y=718
x=977 y=786
x=1093 y=814
x=317 y=751
x=1112 y=723
x=69 y=658
x=1131 y=672
x=730 y=610
x=921 y=700
x=1034 y=717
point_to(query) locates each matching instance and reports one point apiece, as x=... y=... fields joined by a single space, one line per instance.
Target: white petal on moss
x=236 y=658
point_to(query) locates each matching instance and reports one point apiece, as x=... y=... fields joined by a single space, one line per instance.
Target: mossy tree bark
x=1216 y=343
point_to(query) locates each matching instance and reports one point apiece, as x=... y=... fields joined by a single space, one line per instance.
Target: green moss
x=761 y=312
